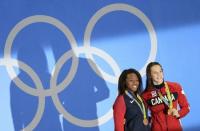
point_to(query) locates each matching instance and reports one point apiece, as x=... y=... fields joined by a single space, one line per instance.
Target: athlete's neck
x=158 y=86
x=132 y=92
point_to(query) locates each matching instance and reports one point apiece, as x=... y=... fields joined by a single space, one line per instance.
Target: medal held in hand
x=145 y=122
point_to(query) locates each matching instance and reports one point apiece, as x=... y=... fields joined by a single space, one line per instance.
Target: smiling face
x=157 y=74
x=132 y=82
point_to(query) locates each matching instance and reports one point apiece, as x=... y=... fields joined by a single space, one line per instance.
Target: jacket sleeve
x=119 y=109
x=183 y=103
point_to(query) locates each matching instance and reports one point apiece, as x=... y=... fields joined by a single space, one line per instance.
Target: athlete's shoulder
x=148 y=93
x=119 y=100
x=174 y=85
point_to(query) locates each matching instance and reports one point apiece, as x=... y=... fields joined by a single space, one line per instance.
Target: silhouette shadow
x=82 y=95
x=23 y=105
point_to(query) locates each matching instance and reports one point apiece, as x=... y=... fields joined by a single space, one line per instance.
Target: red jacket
x=126 y=108
x=161 y=121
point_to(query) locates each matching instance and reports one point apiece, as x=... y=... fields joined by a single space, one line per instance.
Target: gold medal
x=145 y=121
x=170 y=111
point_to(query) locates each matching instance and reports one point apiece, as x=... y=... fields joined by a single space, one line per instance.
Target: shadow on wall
x=80 y=98
x=82 y=95
x=23 y=105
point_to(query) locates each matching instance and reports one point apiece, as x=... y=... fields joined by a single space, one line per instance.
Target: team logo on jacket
x=157 y=100
x=153 y=94
x=131 y=101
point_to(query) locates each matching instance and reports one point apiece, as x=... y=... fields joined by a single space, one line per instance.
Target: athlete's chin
x=133 y=90
x=159 y=81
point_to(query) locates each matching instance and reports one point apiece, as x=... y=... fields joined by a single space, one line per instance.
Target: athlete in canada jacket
x=163 y=99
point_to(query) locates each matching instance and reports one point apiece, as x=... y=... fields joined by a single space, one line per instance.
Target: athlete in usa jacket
x=128 y=110
x=163 y=99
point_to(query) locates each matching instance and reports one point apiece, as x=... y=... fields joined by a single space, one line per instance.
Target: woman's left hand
x=173 y=112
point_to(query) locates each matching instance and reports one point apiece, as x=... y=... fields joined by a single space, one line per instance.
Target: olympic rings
x=41 y=104
x=122 y=7
x=74 y=53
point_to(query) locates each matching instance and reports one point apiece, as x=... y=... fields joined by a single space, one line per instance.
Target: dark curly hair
x=122 y=81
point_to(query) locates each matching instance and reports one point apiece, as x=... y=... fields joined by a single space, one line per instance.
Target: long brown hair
x=149 y=81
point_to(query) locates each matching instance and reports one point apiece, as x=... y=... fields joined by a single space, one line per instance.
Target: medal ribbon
x=142 y=108
x=169 y=104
